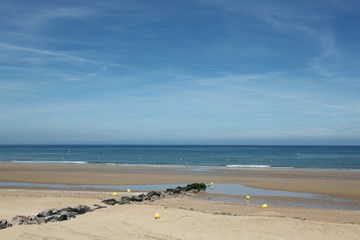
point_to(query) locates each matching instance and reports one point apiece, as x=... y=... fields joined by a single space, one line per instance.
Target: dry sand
x=183 y=217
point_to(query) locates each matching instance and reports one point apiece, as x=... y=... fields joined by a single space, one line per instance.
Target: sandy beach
x=186 y=217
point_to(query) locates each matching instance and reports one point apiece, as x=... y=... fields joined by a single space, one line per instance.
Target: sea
x=341 y=158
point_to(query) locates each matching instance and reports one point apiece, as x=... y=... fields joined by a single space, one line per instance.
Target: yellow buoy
x=129 y=191
x=212 y=184
x=247 y=197
x=264 y=206
x=114 y=194
x=157 y=215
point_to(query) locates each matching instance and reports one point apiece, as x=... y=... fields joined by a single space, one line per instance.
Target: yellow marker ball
x=248 y=197
x=212 y=184
x=114 y=194
x=157 y=215
x=264 y=206
x=129 y=191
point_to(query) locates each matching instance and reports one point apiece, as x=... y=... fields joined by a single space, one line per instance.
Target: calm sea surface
x=306 y=157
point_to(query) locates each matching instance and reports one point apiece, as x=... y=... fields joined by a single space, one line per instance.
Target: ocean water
x=298 y=157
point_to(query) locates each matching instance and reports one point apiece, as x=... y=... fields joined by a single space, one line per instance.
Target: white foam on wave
x=248 y=166
x=51 y=162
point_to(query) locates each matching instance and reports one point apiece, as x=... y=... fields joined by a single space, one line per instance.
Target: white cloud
x=64 y=56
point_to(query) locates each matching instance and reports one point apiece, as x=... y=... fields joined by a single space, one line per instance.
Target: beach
x=184 y=217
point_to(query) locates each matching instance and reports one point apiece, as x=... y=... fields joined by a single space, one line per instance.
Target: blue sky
x=180 y=72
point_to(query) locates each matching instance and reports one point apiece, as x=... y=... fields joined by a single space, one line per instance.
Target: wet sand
x=336 y=184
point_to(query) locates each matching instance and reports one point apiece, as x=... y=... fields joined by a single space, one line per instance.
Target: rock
x=62 y=217
x=18 y=220
x=49 y=215
x=38 y=220
x=96 y=206
x=68 y=214
x=171 y=191
x=139 y=198
x=152 y=196
x=27 y=220
x=169 y=195
x=195 y=187
x=124 y=200
x=53 y=218
x=55 y=211
x=68 y=209
x=109 y=201
x=4 y=224
x=81 y=209
x=45 y=213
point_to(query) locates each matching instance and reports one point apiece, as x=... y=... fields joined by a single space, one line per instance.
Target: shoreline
x=184 y=167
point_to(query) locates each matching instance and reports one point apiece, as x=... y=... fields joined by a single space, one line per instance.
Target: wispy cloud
x=64 y=56
x=241 y=82
x=37 y=17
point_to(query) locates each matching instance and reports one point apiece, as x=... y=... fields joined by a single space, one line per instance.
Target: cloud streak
x=65 y=56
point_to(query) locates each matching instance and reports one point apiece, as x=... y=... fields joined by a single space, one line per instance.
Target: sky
x=180 y=72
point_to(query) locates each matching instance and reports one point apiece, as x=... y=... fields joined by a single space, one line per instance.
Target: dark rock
x=124 y=200
x=68 y=214
x=169 y=195
x=27 y=220
x=96 y=206
x=152 y=196
x=139 y=198
x=45 y=213
x=62 y=217
x=4 y=224
x=55 y=211
x=53 y=218
x=81 y=209
x=109 y=201
x=171 y=191
x=18 y=220
x=39 y=220
x=68 y=209
x=195 y=187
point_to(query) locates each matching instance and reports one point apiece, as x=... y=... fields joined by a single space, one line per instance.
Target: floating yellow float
x=129 y=191
x=114 y=194
x=247 y=197
x=264 y=206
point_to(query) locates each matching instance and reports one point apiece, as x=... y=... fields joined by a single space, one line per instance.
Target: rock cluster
x=55 y=215
x=155 y=195
x=49 y=215
x=4 y=224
